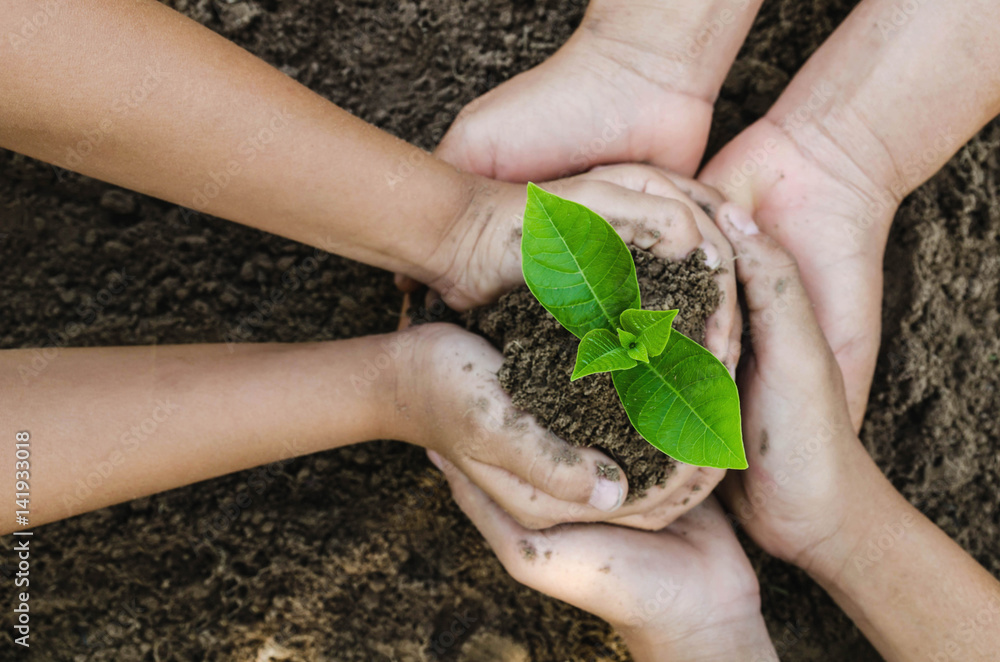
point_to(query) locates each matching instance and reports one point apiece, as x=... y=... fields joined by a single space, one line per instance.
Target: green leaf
x=600 y=351
x=626 y=338
x=651 y=326
x=638 y=353
x=575 y=264
x=685 y=403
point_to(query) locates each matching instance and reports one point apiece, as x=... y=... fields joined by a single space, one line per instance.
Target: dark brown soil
x=539 y=356
x=359 y=554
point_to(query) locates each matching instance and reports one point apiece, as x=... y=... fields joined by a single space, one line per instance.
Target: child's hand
x=807 y=467
x=481 y=256
x=833 y=220
x=684 y=593
x=448 y=400
x=599 y=99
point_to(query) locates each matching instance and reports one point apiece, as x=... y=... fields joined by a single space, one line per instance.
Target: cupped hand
x=687 y=592
x=599 y=99
x=448 y=400
x=808 y=476
x=808 y=195
x=481 y=259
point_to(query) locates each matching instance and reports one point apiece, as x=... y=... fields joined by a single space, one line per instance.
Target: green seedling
x=678 y=396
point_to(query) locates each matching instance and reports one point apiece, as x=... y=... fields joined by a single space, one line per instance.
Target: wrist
x=479 y=257
x=742 y=638
x=371 y=384
x=694 y=42
x=835 y=559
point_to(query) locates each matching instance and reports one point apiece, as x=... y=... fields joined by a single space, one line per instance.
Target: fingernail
x=712 y=258
x=607 y=496
x=741 y=219
x=436 y=459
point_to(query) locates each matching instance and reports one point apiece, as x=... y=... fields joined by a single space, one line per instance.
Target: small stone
x=116 y=249
x=247 y=271
x=118 y=201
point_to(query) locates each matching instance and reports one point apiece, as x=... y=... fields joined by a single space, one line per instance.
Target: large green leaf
x=600 y=351
x=685 y=403
x=575 y=264
x=652 y=328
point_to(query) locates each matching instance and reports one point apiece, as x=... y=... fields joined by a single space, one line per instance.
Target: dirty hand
x=835 y=222
x=684 y=593
x=481 y=257
x=449 y=401
x=809 y=475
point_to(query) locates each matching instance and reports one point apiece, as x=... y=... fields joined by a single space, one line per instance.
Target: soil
x=359 y=554
x=539 y=356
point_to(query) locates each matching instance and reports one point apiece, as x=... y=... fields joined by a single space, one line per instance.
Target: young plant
x=678 y=396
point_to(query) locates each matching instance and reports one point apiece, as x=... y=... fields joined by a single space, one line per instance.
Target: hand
x=599 y=99
x=684 y=593
x=809 y=476
x=481 y=257
x=448 y=400
x=818 y=204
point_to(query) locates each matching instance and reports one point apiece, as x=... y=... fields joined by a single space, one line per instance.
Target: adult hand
x=816 y=202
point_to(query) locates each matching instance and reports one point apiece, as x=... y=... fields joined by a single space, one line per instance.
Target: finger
x=535 y=510
x=569 y=562
x=698 y=486
x=721 y=328
x=783 y=328
x=667 y=224
x=508 y=438
x=705 y=196
x=529 y=506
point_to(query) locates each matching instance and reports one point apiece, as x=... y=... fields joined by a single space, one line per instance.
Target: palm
x=833 y=228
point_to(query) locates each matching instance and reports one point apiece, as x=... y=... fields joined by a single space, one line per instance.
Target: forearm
x=910 y=588
x=697 y=40
x=897 y=89
x=138 y=95
x=112 y=424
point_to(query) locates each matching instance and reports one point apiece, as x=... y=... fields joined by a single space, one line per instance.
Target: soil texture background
x=359 y=554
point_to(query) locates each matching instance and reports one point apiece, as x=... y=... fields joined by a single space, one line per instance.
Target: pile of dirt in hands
x=539 y=355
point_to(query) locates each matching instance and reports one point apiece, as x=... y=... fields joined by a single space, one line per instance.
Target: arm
x=112 y=424
x=876 y=111
x=909 y=587
x=813 y=496
x=151 y=100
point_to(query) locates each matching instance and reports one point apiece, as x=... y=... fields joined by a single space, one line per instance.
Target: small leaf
x=575 y=264
x=685 y=403
x=638 y=352
x=625 y=338
x=632 y=345
x=600 y=351
x=651 y=326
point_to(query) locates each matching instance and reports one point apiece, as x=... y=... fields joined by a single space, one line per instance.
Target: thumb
x=784 y=332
